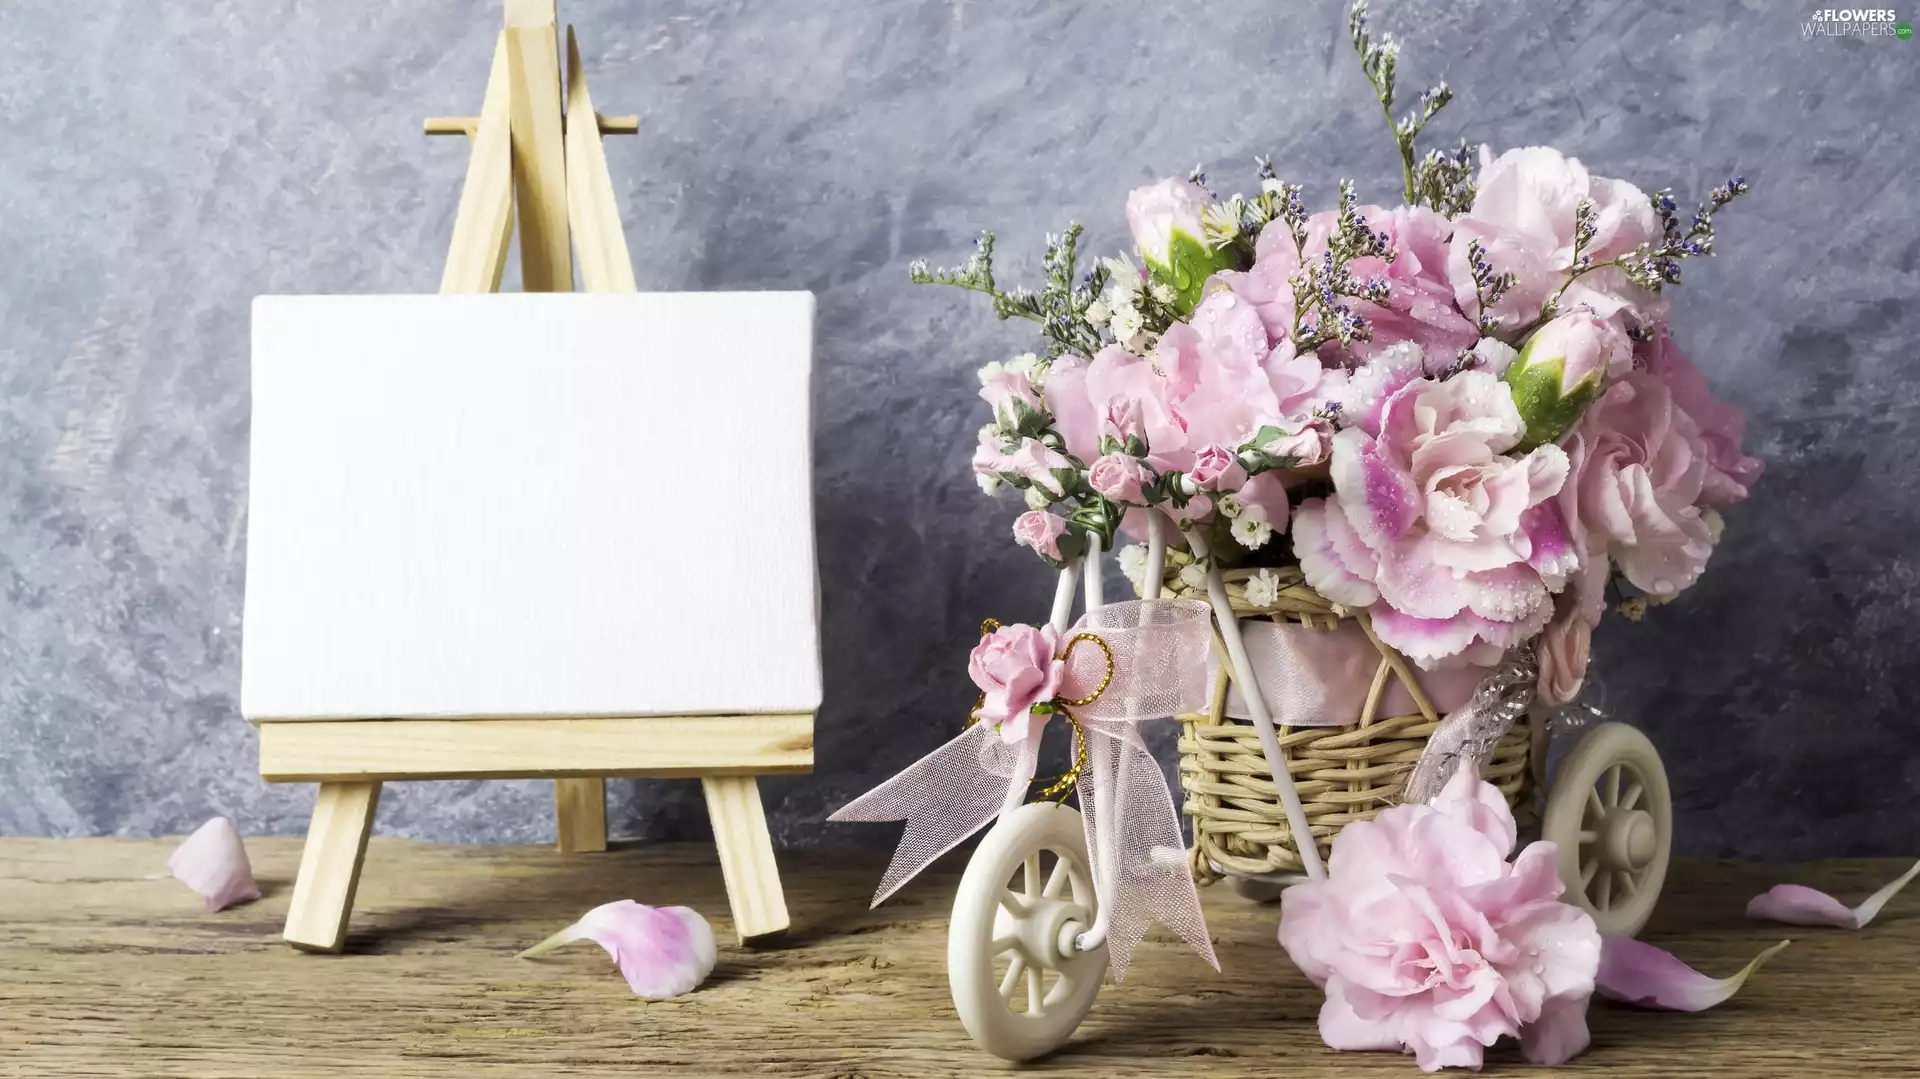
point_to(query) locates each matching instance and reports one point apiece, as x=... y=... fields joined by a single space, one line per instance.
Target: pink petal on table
x=1796 y=904
x=661 y=951
x=213 y=862
x=1639 y=973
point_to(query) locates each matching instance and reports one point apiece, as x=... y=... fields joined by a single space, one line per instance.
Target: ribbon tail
x=1148 y=879
x=944 y=797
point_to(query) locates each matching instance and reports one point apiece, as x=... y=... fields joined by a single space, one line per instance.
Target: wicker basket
x=1344 y=774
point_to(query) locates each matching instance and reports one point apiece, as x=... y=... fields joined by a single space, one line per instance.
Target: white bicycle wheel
x=1019 y=985
x=1610 y=812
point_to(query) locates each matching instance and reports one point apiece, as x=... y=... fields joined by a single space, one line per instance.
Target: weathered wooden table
x=108 y=968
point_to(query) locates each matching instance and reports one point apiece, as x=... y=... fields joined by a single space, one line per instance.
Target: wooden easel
x=527 y=150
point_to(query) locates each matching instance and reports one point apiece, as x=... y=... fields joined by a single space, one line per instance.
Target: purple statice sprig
x=1323 y=285
x=1059 y=306
x=1654 y=266
x=1489 y=285
x=1379 y=61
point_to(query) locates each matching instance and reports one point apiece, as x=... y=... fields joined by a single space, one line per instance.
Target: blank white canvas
x=531 y=505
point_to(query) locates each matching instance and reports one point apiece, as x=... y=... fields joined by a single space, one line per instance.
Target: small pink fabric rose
x=1041 y=531
x=1016 y=668
x=1215 y=468
x=1309 y=444
x=213 y=862
x=1523 y=215
x=1035 y=461
x=661 y=951
x=1005 y=388
x=1427 y=940
x=1730 y=472
x=1120 y=477
x=1455 y=541
x=1567 y=642
x=990 y=457
x=1639 y=468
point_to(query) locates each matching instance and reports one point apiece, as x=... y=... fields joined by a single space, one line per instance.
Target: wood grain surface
x=109 y=968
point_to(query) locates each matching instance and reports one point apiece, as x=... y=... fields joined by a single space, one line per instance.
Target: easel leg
x=330 y=866
x=580 y=814
x=746 y=855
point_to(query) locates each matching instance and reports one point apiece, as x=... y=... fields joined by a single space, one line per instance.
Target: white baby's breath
x=1262 y=589
x=1193 y=578
x=1250 y=529
x=990 y=372
x=1133 y=563
x=1162 y=292
x=988 y=481
x=1229 y=506
x=1098 y=312
x=1038 y=498
x=1127 y=323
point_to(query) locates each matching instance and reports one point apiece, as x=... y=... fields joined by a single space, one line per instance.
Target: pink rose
x=1005 y=388
x=1041 y=531
x=1722 y=426
x=1639 y=468
x=1038 y=464
x=1015 y=668
x=1119 y=477
x=1217 y=469
x=1523 y=216
x=1428 y=941
x=1453 y=543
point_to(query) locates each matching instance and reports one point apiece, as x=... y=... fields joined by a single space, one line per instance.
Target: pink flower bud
x=1562 y=369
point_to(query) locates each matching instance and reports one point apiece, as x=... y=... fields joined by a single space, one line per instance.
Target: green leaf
x=1189 y=263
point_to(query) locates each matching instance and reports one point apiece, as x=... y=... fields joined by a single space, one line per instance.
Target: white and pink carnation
x=1455 y=546
x=1427 y=940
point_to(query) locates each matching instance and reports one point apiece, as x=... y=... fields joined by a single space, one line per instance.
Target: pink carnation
x=1639 y=468
x=1454 y=545
x=1523 y=217
x=1119 y=477
x=1427 y=940
x=1730 y=472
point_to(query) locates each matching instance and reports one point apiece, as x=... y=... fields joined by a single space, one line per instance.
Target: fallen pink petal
x=1797 y=904
x=1638 y=973
x=661 y=951
x=213 y=862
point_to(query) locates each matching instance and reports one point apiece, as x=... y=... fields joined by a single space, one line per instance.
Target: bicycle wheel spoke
x=1058 y=879
x=1011 y=980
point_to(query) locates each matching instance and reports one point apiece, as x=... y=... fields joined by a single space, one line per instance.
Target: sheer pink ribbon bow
x=1159 y=650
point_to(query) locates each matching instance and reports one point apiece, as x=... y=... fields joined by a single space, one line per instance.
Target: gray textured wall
x=160 y=164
